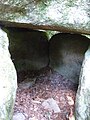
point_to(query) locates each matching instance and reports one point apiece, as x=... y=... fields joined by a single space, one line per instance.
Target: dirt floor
x=44 y=95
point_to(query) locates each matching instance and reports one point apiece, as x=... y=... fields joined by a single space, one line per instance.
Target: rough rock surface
x=83 y=93
x=29 y=48
x=8 y=79
x=66 y=53
x=63 y=15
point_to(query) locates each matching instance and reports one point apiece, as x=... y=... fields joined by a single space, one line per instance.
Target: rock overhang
x=64 y=16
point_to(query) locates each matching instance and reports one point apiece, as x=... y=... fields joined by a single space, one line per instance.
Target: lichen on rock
x=67 y=15
x=83 y=93
x=8 y=79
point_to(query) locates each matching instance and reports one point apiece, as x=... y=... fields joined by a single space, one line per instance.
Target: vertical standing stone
x=8 y=80
x=66 y=53
x=83 y=93
x=29 y=48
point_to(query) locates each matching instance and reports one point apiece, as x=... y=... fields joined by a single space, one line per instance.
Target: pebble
x=50 y=103
x=18 y=116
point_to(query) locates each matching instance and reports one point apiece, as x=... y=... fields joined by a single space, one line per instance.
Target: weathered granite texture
x=61 y=15
x=8 y=79
x=66 y=52
x=29 y=48
x=83 y=93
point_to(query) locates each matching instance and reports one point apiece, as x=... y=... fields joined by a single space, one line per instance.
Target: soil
x=34 y=87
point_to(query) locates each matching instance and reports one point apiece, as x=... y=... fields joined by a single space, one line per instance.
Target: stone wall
x=83 y=94
x=29 y=48
x=8 y=79
x=66 y=53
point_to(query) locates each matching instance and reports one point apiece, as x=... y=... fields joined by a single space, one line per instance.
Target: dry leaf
x=70 y=100
x=71 y=117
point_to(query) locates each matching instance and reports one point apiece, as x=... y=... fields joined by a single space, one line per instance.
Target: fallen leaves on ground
x=51 y=97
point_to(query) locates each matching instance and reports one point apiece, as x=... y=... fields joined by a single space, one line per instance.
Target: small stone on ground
x=18 y=116
x=50 y=103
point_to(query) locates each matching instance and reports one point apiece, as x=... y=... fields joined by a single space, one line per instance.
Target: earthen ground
x=47 y=84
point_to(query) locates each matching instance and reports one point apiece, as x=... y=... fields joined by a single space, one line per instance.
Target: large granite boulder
x=66 y=52
x=8 y=79
x=83 y=93
x=61 y=15
x=29 y=48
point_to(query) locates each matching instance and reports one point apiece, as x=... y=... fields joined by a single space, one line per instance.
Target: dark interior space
x=48 y=73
